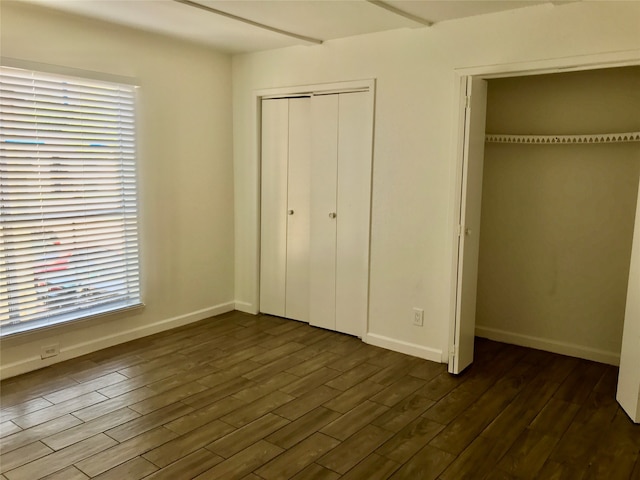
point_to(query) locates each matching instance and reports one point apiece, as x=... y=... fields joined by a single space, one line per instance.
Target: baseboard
x=66 y=353
x=246 y=307
x=407 y=348
x=563 y=348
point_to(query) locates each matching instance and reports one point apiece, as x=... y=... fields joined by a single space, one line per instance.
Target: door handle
x=290 y=212
x=332 y=215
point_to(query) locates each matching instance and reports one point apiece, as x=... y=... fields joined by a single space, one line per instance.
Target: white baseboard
x=563 y=348
x=407 y=348
x=246 y=307
x=78 y=349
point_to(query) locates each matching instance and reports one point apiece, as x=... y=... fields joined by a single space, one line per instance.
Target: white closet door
x=469 y=232
x=273 y=227
x=324 y=165
x=628 y=393
x=355 y=120
x=299 y=178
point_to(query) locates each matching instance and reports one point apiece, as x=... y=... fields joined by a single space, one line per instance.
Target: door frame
x=368 y=85
x=487 y=72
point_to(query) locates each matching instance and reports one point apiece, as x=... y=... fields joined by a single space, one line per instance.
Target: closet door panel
x=324 y=148
x=299 y=178
x=470 y=210
x=628 y=393
x=273 y=225
x=353 y=220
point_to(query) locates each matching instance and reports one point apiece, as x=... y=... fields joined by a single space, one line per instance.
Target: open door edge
x=462 y=144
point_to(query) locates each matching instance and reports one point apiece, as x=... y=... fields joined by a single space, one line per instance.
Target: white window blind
x=68 y=209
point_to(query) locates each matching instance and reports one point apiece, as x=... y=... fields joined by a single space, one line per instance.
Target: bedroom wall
x=414 y=165
x=185 y=172
x=198 y=207
x=558 y=220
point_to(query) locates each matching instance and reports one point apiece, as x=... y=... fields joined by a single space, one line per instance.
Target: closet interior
x=316 y=153
x=559 y=195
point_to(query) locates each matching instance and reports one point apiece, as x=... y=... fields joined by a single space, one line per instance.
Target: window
x=68 y=203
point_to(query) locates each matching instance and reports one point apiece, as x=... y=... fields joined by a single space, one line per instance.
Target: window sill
x=15 y=331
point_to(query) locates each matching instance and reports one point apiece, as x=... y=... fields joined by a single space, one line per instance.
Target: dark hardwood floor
x=245 y=397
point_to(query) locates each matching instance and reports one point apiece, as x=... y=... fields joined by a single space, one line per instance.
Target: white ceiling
x=318 y=19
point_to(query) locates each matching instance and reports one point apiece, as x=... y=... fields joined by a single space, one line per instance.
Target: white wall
x=185 y=172
x=414 y=161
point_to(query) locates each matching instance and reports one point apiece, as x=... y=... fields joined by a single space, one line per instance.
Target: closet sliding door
x=354 y=204
x=342 y=126
x=285 y=163
x=315 y=209
x=324 y=184
x=273 y=225
x=298 y=221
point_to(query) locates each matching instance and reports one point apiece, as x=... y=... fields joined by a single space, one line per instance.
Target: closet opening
x=558 y=210
x=548 y=211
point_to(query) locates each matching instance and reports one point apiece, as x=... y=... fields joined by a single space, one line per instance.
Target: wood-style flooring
x=259 y=397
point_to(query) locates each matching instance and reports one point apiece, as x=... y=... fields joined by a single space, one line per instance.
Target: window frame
x=120 y=305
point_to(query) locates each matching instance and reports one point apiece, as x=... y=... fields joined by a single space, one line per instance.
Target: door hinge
x=452 y=354
x=467 y=102
x=460 y=230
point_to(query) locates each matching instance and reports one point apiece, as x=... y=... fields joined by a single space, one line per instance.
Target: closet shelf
x=565 y=139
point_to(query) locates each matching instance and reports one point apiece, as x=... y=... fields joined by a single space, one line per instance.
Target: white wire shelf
x=565 y=139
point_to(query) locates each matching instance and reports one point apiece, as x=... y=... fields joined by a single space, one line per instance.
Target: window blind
x=68 y=203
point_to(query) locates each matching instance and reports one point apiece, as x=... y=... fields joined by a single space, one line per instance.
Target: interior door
x=324 y=177
x=475 y=106
x=273 y=225
x=298 y=199
x=628 y=394
x=355 y=122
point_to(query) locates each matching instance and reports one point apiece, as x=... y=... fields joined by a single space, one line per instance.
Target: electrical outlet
x=418 y=317
x=49 y=351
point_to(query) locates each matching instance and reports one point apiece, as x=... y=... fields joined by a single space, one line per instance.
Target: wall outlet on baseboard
x=418 y=317
x=49 y=351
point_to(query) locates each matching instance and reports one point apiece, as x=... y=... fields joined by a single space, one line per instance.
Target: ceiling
x=219 y=23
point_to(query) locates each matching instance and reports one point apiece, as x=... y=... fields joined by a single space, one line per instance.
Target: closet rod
x=564 y=139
